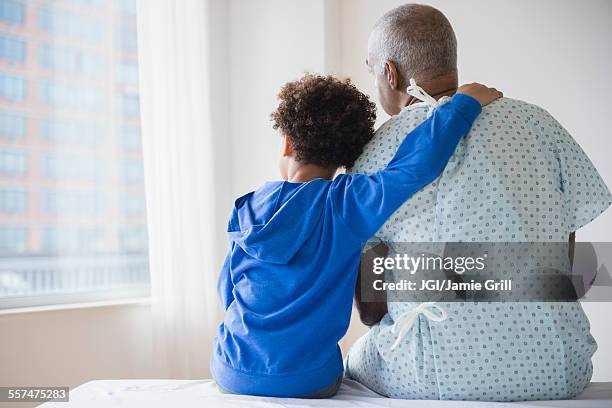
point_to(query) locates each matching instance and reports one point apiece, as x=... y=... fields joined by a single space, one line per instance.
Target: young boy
x=289 y=275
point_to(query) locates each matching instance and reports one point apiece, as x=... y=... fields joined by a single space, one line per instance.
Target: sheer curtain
x=183 y=110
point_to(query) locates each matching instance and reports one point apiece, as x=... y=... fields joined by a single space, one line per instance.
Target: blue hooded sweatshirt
x=288 y=279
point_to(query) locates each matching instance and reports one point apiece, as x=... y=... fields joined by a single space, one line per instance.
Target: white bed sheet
x=205 y=393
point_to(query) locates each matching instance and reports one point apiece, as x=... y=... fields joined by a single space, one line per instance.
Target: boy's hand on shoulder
x=481 y=93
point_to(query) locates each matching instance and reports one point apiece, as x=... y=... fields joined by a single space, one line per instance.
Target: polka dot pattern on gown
x=518 y=176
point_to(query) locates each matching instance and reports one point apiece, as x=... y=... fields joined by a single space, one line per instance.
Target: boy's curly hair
x=327 y=120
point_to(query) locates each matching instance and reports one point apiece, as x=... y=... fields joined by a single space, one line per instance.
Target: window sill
x=144 y=300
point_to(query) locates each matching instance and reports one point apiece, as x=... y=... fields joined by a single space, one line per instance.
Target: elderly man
x=518 y=176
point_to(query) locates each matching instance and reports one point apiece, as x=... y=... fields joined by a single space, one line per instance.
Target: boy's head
x=325 y=122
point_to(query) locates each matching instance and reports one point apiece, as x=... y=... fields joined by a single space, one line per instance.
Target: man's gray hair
x=418 y=39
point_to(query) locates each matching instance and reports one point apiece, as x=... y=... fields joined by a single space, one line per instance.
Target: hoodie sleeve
x=364 y=202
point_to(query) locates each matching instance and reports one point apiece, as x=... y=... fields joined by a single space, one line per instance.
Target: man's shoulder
x=514 y=115
x=516 y=107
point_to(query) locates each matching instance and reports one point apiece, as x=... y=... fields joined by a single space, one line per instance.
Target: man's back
x=518 y=176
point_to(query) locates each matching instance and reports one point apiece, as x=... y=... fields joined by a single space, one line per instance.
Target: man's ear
x=287 y=147
x=392 y=75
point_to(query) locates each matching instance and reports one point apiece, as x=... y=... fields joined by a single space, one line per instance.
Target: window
x=12 y=87
x=13 y=239
x=12 y=125
x=128 y=7
x=131 y=139
x=13 y=200
x=72 y=167
x=13 y=163
x=128 y=39
x=133 y=204
x=73 y=222
x=131 y=105
x=134 y=238
x=91 y=2
x=127 y=72
x=72 y=239
x=133 y=172
x=63 y=23
x=71 y=132
x=12 y=49
x=71 y=60
x=12 y=11
x=73 y=202
x=63 y=94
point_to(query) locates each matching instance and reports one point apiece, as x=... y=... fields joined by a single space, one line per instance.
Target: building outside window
x=73 y=222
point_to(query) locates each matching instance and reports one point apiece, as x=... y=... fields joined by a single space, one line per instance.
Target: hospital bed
x=206 y=394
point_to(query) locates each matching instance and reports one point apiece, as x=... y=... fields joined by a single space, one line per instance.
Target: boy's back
x=276 y=294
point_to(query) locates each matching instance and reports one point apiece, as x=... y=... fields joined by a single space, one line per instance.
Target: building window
x=66 y=95
x=131 y=105
x=61 y=23
x=13 y=163
x=75 y=203
x=12 y=11
x=69 y=239
x=12 y=125
x=131 y=139
x=72 y=167
x=12 y=87
x=12 y=49
x=128 y=39
x=127 y=7
x=71 y=132
x=91 y=2
x=133 y=238
x=133 y=204
x=133 y=172
x=71 y=60
x=13 y=239
x=13 y=200
x=127 y=72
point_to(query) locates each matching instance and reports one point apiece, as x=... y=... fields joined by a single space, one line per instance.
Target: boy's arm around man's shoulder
x=366 y=201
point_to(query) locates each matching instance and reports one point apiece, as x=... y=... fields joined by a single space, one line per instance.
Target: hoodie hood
x=273 y=223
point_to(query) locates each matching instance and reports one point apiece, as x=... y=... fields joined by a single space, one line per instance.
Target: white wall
x=271 y=42
x=554 y=53
x=69 y=347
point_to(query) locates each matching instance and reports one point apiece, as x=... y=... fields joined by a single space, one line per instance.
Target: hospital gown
x=518 y=176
